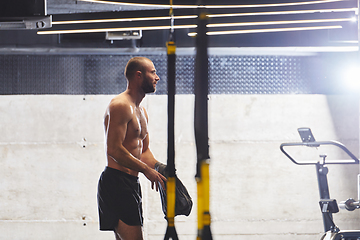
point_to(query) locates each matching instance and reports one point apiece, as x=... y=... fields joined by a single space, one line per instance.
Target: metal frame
x=321 y=172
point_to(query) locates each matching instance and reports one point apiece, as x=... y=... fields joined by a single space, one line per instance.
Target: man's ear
x=138 y=74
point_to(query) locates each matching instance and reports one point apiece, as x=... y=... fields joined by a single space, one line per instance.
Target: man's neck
x=135 y=96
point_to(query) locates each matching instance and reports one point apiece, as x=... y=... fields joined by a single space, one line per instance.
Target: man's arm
x=146 y=155
x=148 y=158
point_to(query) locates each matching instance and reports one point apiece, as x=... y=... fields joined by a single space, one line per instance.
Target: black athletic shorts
x=119 y=197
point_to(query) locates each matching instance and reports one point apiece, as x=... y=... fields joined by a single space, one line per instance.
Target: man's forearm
x=148 y=158
x=125 y=159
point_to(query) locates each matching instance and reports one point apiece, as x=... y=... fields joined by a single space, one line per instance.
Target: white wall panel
x=52 y=153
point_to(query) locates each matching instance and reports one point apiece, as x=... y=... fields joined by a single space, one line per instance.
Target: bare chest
x=137 y=127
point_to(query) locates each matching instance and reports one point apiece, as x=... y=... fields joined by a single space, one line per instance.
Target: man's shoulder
x=120 y=99
x=120 y=103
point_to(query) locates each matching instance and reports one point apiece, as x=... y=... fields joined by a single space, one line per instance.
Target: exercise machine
x=328 y=206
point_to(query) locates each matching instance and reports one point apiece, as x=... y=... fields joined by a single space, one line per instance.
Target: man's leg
x=127 y=232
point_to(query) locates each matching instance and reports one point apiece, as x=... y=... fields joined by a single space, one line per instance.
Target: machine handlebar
x=353 y=160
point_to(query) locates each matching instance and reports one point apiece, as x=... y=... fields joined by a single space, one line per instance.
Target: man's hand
x=155 y=178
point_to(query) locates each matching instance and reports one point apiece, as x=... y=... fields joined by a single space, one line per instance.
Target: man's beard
x=148 y=86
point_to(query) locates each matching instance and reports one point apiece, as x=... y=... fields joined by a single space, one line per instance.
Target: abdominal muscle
x=135 y=149
x=133 y=144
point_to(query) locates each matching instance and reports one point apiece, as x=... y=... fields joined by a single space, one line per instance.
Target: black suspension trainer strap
x=171 y=181
x=201 y=128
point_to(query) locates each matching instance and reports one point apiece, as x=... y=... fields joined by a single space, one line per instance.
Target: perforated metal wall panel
x=103 y=74
x=257 y=75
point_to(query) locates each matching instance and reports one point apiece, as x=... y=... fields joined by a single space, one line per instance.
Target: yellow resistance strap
x=203 y=197
x=171 y=231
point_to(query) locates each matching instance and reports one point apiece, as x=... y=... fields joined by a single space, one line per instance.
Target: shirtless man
x=128 y=153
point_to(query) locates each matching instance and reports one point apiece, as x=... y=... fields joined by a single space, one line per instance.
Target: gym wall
x=52 y=146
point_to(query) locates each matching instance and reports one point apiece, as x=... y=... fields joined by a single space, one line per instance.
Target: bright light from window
x=351 y=77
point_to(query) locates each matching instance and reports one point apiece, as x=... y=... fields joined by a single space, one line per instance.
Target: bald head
x=135 y=64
